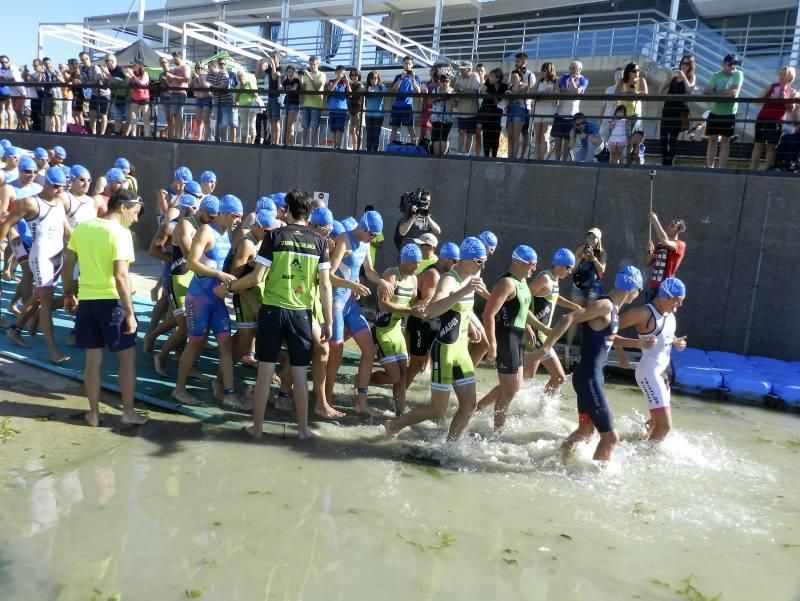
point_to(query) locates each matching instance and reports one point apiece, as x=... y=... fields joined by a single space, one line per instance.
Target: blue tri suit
x=346 y=312
x=204 y=310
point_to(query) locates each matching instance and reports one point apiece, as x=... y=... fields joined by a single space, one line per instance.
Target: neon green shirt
x=316 y=84
x=98 y=243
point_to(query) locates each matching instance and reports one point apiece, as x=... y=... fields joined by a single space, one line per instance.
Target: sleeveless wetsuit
x=422 y=332
x=346 y=312
x=509 y=327
x=47 y=246
x=179 y=276
x=544 y=309
x=650 y=373
x=204 y=309
x=388 y=330
x=246 y=316
x=80 y=210
x=452 y=365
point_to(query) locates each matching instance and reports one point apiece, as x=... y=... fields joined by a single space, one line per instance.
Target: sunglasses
x=479 y=262
x=324 y=231
x=84 y=179
x=29 y=171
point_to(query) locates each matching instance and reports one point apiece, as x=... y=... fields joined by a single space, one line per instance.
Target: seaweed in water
x=445 y=540
x=692 y=593
x=6 y=431
x=193 y=593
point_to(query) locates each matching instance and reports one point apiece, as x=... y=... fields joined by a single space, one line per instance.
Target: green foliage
x=6 y=431
x=692 y=593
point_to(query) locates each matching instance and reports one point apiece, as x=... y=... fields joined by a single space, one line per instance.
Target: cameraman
x=416 y=219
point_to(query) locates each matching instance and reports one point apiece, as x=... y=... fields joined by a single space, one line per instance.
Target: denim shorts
x=517 y=113
x=203 y=103
x=310 y=117
x=467 y=124
x=292 y=108
x=273 y=109
x=225 y=115
x=176 y=103
x=119 y=110
x=337 y=120
x=562 y=127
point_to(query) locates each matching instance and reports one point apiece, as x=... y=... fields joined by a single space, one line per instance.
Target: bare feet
x=15 y=336
x=249 y=361
x=58 y=358
x=158 y=365
x=147 y=345
x=254 y=430
x=133 y=419
x=391 y=429
x=365 y=409
x=217 y=389
x=306 y=434
x=184 y=398
x=92 y=418
x=232 y=401
x=196 y=374
x=326 y=411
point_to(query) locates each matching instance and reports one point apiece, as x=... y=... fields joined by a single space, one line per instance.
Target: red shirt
x=666 y=262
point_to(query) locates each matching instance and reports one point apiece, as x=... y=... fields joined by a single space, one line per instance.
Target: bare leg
x=263 y=382
x=557 y=376
x=582 y=434
x=435 y=411
x=300 y=391
x=91 y=384
x=367 y=347
x=755 y=157
x=661 y=424
x=772 y=152
x=508 y=387
x=466 y=407
x=479 y=350
x=46 y=324
x=415 y=366
x=190 y=354
x=334 y=361
x=390 y=375
x=319 y=366
x=608 y=440
x=174 y=342
x=230 y=398
x=711 y=151
x=127 y=387
x=724 y=151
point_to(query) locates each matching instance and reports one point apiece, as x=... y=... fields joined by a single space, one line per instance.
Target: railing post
x=575 y=39
x=636 y=34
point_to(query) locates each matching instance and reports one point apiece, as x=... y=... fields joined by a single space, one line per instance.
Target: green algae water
x=181 y=511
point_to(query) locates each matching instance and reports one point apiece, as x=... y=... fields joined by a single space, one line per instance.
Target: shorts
x=452 y=366
x=176 y=104
x=18 y=102
x=510 y=350
x=45 y=271
x=246 y=317
x=421 y=334
x=768 y=132
x=204 y=103
x=206 y=312
x=51 y=107
x=276 y=325
x=337 y=120
x=592 y=401
x=21 y=250
x=177 y=286
x=310 y=118
x=440 y=131
x=5 y=95
x=720 y=125
x=654 y=387
x=355 y=120
x=273 y=109
x=347 y=315
x=538 y=342
x=401 y=116
x=517 y=114
x=224 y=116
x=591 y=293
x=119 y=110
x=467 y=124
x=79 y=105
x=99 y=104
x=99 y=323
x=391 y=344
x=562 y=127
x=292 y=108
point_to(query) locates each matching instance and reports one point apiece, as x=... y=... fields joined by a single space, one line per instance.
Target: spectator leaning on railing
x=402 y=115
x=269 y=69
x=467 y=82
x=220 y=83
x=374 y=110
x=570 y=83
x=721 y=122
x=769 y=122
x=291 y=102
x=543 y=110
x=675 y=113
x=313 y=82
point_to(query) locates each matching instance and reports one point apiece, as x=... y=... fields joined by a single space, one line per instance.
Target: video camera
x=417 y=202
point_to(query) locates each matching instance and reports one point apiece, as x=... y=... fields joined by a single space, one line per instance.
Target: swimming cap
x=188 y=201
x=410 y=254
x=628 y=279
x=11 y=151
x=65 y=169
x=40 y=153
x=349 y=224
x=55 y=177
x=338 y=229
x=524 y=254
x=60 y=152
x=115 y=176
x=192 y=187
x=78 y=171
x=449 y=250
x=472 y=248
x=564 y=257
x=266 y=218
x=5 y=143
x=279 y=199
x=321 y=217
x=208 y=177
x=210 y=204
x=489 y=240
x=371 y=222
x=230 y=205
x=183 y=174
x=265 y=202
x=123 y=164
x=672 y=288
x=27 y=164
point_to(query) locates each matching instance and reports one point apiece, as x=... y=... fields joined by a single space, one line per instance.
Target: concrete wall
x=743 y=237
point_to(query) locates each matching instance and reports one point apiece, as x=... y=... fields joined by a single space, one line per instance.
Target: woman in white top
x=618 y=136
x=633 y=85
x=546 y=83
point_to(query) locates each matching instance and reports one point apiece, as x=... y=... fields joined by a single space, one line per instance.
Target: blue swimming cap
x=27 y=164
x=40 y=153
x=321 y=217
x=115 y=176
x=55 y=177
x=338 y=229
x=78 y=171
x=65 y=169
x=472 y=248
x=11 y=151
x=489 y=239
x=188 y=201
x=123 y=164
x=5 y=143
x=628 y=279
x=524 y=254
x=230 y=205
x=60 y=152
x=10 y=176
x=564 y=257
x=349 y=224
x=207 y=177
x=192 y=187
x=279 y=199
x=183 y=174
x=449 y=250
x=210 y=204
x=672 y=288
x=411 y=254
x=266 y=218
x=371 y=222
x=265 y=202
x=31 y=189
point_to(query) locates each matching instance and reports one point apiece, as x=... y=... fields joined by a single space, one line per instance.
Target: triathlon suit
x=544 y=309
x=587 y=380
x=204 y=309
x=246 y=316
x=346 y=312
x=166 y=265
x=388 y=330
x=650 y=373
x=47 y=247
x=79 y=211
x=452 y=365
x=179 y=276
x=21 y=242
x=422 y=332
x=509 y=324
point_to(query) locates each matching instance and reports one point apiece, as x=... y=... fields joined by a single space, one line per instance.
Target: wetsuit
x=346 y=312
x=204 y=309
x=179 y=277
x=509 y=324
x=588 y=380
x=388 y=330
x=650 y=373
x=422 y=332
x=544 y=309
x=452 y=365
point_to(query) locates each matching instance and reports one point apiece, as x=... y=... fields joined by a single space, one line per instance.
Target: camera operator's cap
x=427 y=239
x=449 y=250
x=27 y=164
x=193 y=187
x=410 y=254
x=371 y=222
x=733 y=59
x=464 y=65
x=210 y=204
x=60 y=152
x=266 y=203
x=472 y=248
x=564 y=257
x=11 y=151
x=279 y=199
x=188 y=201
x=672 y=288
x=55 y=177
x=524 y=254
x=208 y=177
x=321 y=217
x=115 y=176
x=489 y=239
x=266 y=219
x=628 y=279
x=338 y=229
x=349 y=224
x=123 y=164
x=40 y=154
x=183 y=174
x=231 y=205
x=595 y=231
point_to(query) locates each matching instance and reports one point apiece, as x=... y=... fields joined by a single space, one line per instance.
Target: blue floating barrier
x=766 y=362
x=748 y=386
x=731 y=374
x=691 y=352
x=789 y=393
x=725 y=356
x=697 y=379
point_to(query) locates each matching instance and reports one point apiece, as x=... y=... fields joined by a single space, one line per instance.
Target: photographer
x=585 y=137
x=402 y=115
x=587 y=278
x=416 y=219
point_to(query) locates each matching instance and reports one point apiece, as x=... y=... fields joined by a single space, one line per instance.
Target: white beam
x=140 y=28
x=213 y=41
x=262 y=44
x=437 y=24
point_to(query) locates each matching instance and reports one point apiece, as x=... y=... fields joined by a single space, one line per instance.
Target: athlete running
x=477 y=334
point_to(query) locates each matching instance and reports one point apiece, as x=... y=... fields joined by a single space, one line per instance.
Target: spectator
x=666 y=257
x=527 y=83
x=139 y=81
x=416 y=218
x=248 y=103
x=636 y=148
x=480 y=71
x=291 y=102
x=517 y=114
x=490 y=115
x=426 y=104
x=587 y=278
x=80 y=107
x=585 y=136
x=374 y=110
x=270 y=69
x=546 y=83
x=769 y=122
x=178 y=79
x=97 y=94
x=118 y=81
x=675 y=114
x=632 y=85
x=467 y=82
x=162 y=109
x=402 y=115
x=10 y=110
x=338 y=87
x=570 y=83
x=50 y=95
x=201 y=90
x=618 y=136
x=721 y=122
x=442 y=114
x=609 y=106
x=220 y=83
x=355 y=109
x=313 y=82
x=66 y=97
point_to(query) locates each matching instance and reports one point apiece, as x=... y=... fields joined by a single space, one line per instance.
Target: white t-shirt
x=567 y=108
x=545 y=108
x=11 y=73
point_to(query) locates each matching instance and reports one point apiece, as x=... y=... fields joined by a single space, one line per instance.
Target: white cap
x=428 y=239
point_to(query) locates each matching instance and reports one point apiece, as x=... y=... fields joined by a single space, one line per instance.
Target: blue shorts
x=562 y=127
x=467 y=124
x=347 y=315
x=119 y=110
x=517 y=113
x=224 y=116
x=592 y=401
x=292 y=108
x=176 y=104
x=273 y=109
x=206 y=312
x=337 y=120
x=309 y=118
x=401 y=116
x=99 y=323
x=204 y=103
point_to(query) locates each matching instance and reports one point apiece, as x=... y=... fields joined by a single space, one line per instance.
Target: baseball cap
x=427 y=239
x=27 y=164
x=338 y=229
x=449 y=250
x=265 y=202
x=192 y=187
x=115 y=176
x=55 y=177
x=188 y=201
x=464 y=64
x=266 y=218
x=489 y=239
x=230 y=205
x=371 y=222
x=183 y=174
x=40 y=153
x=732 y=59
x=123 y=164
x=321 y=217
x=410 y=254
x=11 y=151
x=628 y=279
x=672 y=288
x=596 y=231
x=564 y=257
x=349 y=224
x=279 y=199
x=60 y=152
x=207 y=177
x=472 y=248
x=524 y=254
x=210 y=204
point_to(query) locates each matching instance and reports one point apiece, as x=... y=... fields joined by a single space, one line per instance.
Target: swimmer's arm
x=447 y=294
x=162 y=201
x=426 y=287
x=183 y=238
x=252 y=279
x=67 y=273
x=622 y=342
x=20 y=210
x=567 y=304
x=503 y=291
x=244 y=254
x=156 y=249
x=336 y=260
x=200 y=244
x=385 y=303
x=372 y=275
x=587 y=313
x=534 y=321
